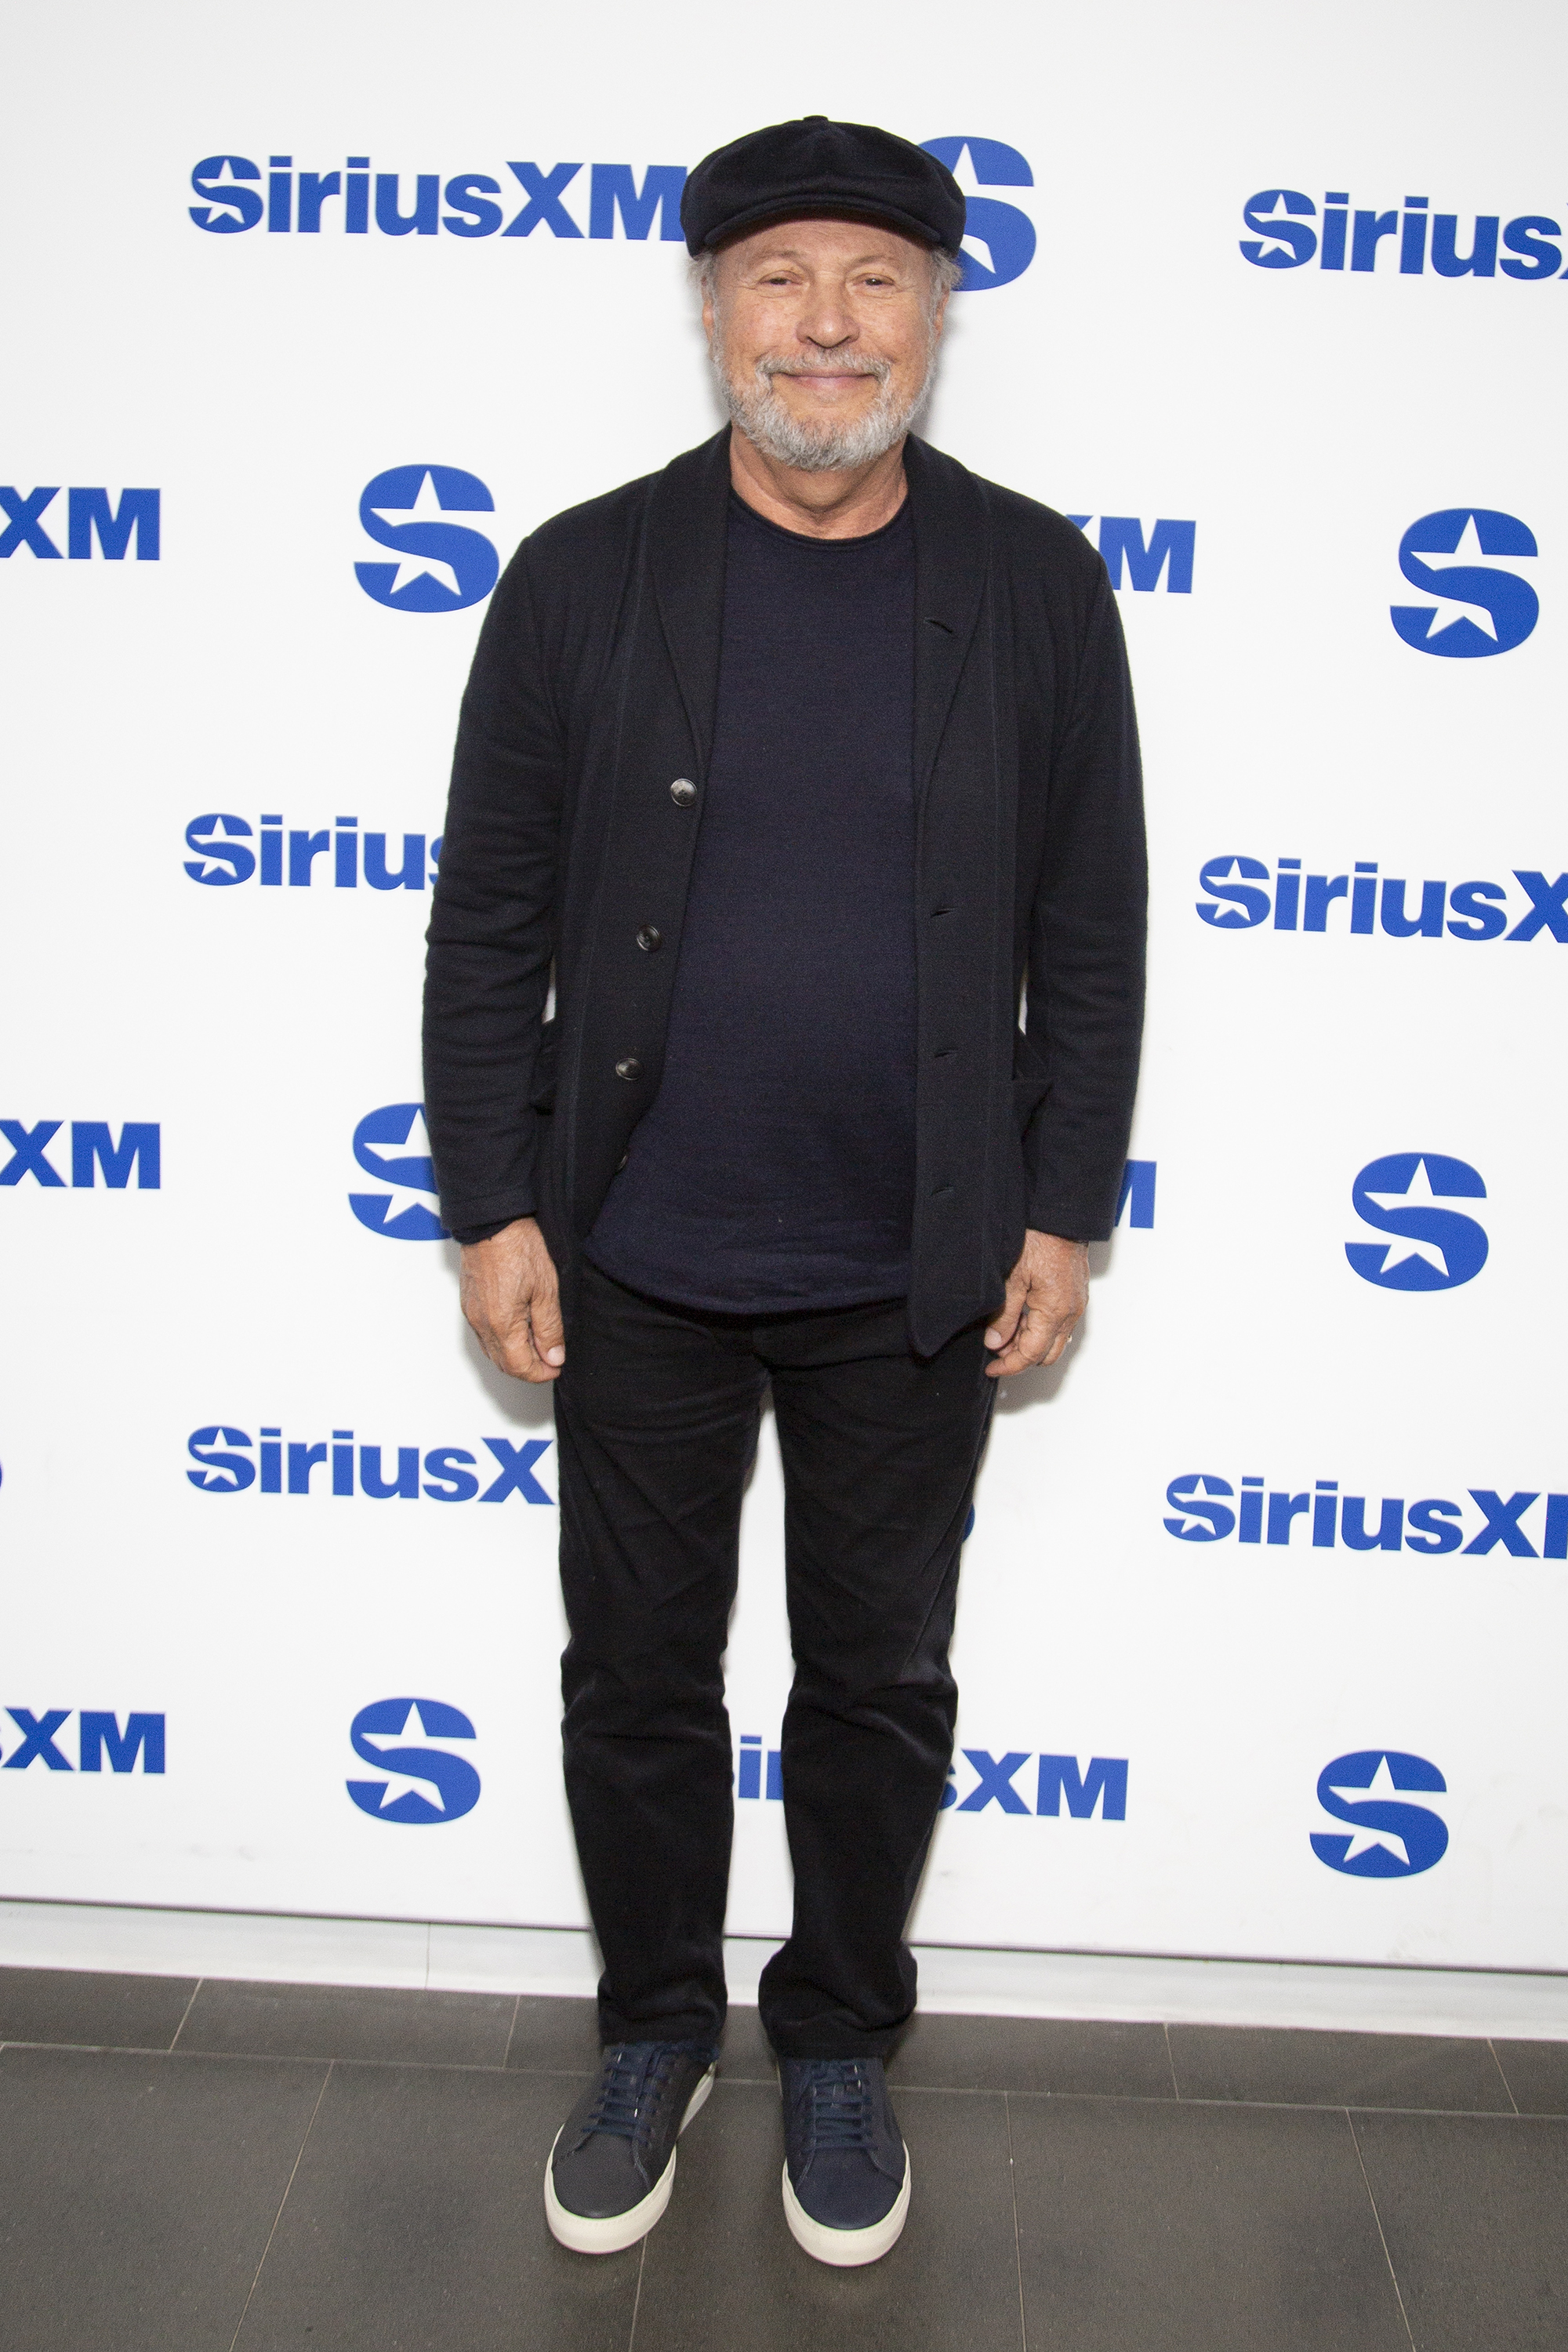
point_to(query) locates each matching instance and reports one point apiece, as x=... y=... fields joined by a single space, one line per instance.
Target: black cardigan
x=576 y=794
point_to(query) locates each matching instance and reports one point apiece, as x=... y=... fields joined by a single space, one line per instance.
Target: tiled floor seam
x=637 y=2298
x=1328 y=2105
x=1503 y=2070
x=1511 y=2114
x=187 y=2010
x=1383 y=2242
x=1017 y=2247
x=1366 y=2107
x=1159 y=2099
x=306 y=2058
x=152 y=2050
x=991 y=2091
x=282 y=2201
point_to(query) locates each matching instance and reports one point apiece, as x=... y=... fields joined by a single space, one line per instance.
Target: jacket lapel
x=951 y=540
x=687 y=521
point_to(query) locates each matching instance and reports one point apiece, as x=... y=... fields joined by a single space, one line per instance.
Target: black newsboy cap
x=818 y=166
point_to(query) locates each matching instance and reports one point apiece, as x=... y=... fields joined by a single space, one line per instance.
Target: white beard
x=827 y=447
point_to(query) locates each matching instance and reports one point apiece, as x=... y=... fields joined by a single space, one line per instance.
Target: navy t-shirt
x=774 y=1169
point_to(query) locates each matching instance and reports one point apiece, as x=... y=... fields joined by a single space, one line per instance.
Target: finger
x=1006 y=1323
x=1040 y=1339
x=510 y=1347
x=1028 y=1348
x=1064 y=1330
x=549 y=1334
x=1059 y=1345
x=518 y=1355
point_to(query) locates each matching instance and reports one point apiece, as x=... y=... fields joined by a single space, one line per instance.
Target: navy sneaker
x=846 y=2169
x=613 y=2165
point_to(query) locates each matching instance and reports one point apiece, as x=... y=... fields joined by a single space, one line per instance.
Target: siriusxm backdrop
x=311 y=315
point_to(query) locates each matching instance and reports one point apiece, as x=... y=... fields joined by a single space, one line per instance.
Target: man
x=795 y=765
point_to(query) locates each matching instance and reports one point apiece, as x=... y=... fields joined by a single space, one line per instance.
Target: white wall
x=1302 y=420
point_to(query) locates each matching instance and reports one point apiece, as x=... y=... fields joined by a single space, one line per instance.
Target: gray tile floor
x=242 y=2168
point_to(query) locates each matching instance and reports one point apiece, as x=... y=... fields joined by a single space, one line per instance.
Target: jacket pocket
x=542 y=1092
x=1031 y=1080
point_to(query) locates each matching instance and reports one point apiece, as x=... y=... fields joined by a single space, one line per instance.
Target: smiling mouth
x=826 y=378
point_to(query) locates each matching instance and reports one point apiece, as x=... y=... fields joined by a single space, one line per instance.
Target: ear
x=710 y=300
x=939 y=315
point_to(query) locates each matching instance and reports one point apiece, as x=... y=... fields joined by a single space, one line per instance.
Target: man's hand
x=511 y=1297
x=1047 y=1291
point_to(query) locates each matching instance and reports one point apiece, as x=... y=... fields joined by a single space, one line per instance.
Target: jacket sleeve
x=493 y=925
x=1084 y=993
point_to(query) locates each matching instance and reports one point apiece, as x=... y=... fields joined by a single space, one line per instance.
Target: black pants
x=657 y=1417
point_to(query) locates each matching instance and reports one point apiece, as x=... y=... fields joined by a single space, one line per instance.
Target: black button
x=628 y=1067
x=683 y=791
x=650 y=938
x=622 y=1161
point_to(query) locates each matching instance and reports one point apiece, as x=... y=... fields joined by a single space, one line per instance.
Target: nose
x=826 y=324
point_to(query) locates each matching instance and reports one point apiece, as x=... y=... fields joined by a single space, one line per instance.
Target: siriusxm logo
x=1242 y=895
x=1166 y=552
x=407 y=1740
x=97 y=1735
x=1102 y=1786
x=998 y=239
x=1437 y=1249
x=302 y=203
x=1281 y=239
x=1101 y=1789
x=749 y=1774
x=1207 y=1509
x=444 y=566
x=1486 y=610
x=94 y=1151
x=1137 y=1193
x=225 y=1455
x=350 y=199
x=88 y=516
x=224 y=856
x=1386 y=1838
x=392 y=1143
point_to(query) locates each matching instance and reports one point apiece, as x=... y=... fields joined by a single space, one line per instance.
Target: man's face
x=823 y=335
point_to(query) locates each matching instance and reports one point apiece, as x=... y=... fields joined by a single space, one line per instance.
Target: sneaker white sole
x=845 y=2249
x=612 y=2235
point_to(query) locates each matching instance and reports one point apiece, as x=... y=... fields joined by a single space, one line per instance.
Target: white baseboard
x=435 y=1954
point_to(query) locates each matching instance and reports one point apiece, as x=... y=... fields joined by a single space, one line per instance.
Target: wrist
x=493 y=1242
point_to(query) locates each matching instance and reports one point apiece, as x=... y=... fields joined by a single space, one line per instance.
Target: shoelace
x=842 y=2109
x=630 y=2087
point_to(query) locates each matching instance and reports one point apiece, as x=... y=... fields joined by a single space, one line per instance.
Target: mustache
x=858 y=363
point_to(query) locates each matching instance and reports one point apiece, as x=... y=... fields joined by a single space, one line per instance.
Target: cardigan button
x=650 y=938
x=683 y=791
x=628 y=1067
